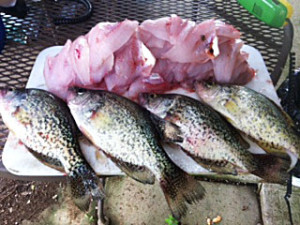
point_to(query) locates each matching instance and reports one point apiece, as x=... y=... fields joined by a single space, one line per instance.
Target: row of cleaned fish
x=157 y=55
x=211 y=140
x=120 y=127
x=131 y=136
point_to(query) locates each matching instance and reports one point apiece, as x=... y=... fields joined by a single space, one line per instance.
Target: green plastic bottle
x=272 y=12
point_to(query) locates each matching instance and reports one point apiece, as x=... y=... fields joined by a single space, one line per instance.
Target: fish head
x=208 y=91
x=84 y=104
x=14 y=109
x=217 y=96
x=11 y=100
x=158 y=104
x=78 y=97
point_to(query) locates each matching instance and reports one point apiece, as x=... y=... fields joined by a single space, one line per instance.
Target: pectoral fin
x=168 y=131
x=138 y=173
x=221 y=167
x=48 y=161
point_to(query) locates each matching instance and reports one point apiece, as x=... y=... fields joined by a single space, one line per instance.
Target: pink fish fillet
x=59 y=72
x=185 y=50
x=132 y=61
x=104 y=39
x=156 y=56
x=88 y=59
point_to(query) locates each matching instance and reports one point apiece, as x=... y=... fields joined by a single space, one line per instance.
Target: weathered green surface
x=129 y=202
x=274 y=208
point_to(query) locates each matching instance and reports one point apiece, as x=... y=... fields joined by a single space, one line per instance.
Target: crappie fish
x=255 y=115
x=43 y=123
x=124 y=131
x=208 y=138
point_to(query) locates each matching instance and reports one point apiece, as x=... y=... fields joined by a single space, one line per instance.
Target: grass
x=171 y=221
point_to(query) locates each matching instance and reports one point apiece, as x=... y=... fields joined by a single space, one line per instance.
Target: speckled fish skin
x=123 y=130
x=206 y=136
x=256 y=116
x=45 y=126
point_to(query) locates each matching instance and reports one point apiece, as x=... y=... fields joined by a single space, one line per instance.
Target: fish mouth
x=143 y=99
x=70 y=96
x=3 y=92
x=148 y=100
x=7 y=93
x=205 y=91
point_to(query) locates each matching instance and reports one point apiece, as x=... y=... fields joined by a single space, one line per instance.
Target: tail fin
x=272 y=168
x=180 y=188
x=85 y=185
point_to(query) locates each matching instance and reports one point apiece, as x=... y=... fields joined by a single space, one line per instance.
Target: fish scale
x=118 y=131
x=46 y=122
x=256 y=116
x=45 y=126
x=124 y=131
x=209 y=139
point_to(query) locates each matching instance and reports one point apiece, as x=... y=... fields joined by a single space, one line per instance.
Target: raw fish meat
x=155 y=56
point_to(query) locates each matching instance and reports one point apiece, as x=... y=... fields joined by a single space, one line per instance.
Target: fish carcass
x=209 y=139
x=256 y=116
x=124 y=131
x=43 y=123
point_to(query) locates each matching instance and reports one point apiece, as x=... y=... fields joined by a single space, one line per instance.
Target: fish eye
x=81 y=90
x=10 y=89
x=152 y=95
x=224 y=101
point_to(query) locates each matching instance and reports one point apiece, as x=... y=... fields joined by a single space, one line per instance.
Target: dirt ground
x=20 y=200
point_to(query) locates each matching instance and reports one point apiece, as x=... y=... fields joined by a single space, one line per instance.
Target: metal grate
x=27 y=37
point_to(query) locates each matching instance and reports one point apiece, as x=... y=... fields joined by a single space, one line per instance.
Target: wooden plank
x=273 y=206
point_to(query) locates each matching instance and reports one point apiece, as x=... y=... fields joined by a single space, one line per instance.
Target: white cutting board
x=19 y=161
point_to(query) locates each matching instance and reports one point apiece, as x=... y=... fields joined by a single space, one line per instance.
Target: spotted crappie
x=124 y=131
x=255 y=115
x=43 y=123
x=207 y=137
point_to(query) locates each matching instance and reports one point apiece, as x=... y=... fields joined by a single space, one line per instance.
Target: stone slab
x=129 y=202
